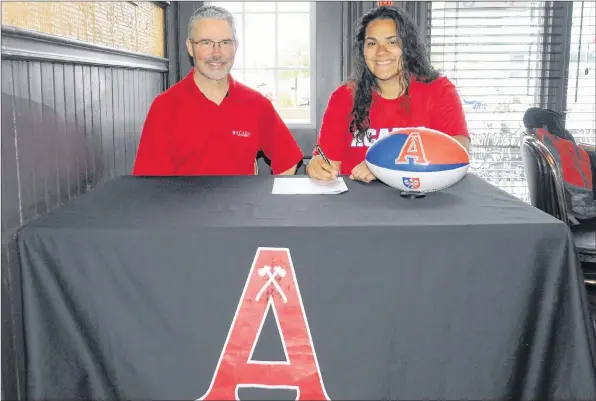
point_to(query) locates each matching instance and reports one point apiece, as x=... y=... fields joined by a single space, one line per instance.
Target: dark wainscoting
x=72 y=115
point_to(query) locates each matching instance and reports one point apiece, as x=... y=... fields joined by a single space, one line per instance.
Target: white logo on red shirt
x=242 y=133
x=371 y=137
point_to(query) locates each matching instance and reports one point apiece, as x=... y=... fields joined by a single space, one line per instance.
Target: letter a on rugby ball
x=272 y=284
x=412 y=151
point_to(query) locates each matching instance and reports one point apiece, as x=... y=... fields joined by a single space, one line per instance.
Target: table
x=136 y=289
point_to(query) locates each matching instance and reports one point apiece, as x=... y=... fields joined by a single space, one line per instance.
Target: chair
x=545 y=184
x=544 y=178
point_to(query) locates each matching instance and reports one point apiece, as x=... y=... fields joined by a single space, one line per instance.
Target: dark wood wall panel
x=66 y=128
x=72 y=116
x=10 y=184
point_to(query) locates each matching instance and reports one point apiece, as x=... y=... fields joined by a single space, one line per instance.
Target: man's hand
x=362 y=173
x=319 y=169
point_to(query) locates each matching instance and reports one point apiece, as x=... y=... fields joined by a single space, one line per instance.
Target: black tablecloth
x=130 y=291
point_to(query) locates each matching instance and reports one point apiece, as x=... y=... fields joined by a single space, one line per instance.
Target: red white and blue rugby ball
x=419 y=160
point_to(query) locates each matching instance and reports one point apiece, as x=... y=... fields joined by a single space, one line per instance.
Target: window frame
x=544 y=85
x=569 y=83
x=312 y=124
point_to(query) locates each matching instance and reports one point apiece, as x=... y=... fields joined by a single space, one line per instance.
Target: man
x=209 y=124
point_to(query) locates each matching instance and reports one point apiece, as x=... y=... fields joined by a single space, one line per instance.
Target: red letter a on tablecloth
x=271 y=284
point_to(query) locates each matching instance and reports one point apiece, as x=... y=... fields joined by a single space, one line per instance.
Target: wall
x=72 y=114
x=136 y=26
x=66 y=128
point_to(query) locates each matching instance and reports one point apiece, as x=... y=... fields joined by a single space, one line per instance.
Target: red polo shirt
x=187 y=134
x=435 y=105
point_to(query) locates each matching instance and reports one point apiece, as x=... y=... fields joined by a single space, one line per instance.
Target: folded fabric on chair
x=577 y=167
x=576 y=170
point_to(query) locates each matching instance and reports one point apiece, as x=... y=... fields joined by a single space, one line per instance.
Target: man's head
x=212 y=42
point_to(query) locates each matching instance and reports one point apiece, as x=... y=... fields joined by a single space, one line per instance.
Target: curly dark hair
x=414 y=61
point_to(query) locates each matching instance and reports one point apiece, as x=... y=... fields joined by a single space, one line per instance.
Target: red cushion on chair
x=573 y=161
x=574 y=164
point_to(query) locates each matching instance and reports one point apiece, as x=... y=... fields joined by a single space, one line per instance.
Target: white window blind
x=493 y=53
x=581 y=84
x=276 y=54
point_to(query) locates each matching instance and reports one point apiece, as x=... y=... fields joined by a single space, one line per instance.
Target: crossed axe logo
x=277 y=271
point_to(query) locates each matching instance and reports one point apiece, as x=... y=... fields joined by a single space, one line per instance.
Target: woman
x=393 y=86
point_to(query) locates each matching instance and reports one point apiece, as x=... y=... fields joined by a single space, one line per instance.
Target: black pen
x=318 y=148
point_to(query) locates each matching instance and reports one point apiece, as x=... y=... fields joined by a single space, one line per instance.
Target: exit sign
x=384 y=3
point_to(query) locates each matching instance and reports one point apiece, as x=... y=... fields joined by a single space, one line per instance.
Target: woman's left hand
x=362 y=173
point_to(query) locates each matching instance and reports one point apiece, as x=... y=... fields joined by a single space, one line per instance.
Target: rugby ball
x=419 y=160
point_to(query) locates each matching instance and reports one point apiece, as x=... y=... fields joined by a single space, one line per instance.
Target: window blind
x=581 y=83
x=495 y=53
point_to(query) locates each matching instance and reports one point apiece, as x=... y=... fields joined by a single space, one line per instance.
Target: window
x=492 y=52
x=276 y=55
x=581 y=82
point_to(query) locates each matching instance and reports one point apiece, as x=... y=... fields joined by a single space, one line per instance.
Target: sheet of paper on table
x=307 y=186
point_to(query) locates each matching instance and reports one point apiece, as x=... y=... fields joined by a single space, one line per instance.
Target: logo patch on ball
x=411 y=182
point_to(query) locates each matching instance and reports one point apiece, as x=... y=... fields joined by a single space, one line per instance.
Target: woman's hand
x=362 y=173
x=319 y=169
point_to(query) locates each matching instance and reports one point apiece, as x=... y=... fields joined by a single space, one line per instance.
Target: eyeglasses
x=208 y=44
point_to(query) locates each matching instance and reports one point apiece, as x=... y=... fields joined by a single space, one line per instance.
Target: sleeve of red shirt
x=276 y=140
x=153 y=157
x=336 y=123
x=447 y=113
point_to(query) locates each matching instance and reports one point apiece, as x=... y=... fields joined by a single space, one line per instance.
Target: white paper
x=307 y=186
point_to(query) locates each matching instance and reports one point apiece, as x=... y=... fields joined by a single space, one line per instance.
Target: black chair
x=545 y=184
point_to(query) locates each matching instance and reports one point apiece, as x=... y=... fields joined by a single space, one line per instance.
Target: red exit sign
x=384 y=3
